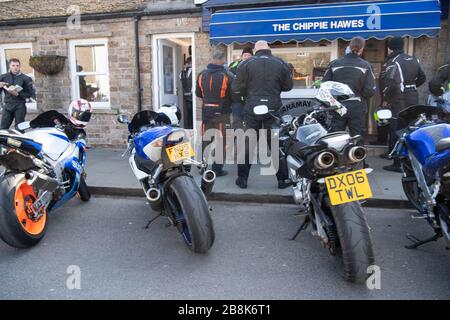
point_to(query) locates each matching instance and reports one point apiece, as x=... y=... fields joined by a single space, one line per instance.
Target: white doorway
x=170 y=53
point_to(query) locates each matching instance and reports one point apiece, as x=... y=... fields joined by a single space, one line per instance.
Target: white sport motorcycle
x=44 y=163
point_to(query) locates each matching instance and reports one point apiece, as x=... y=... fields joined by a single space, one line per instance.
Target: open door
x=167 y=72
x=172 y=53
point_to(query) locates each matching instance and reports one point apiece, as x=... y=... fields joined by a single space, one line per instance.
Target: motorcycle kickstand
x=417 y=242
x=152 y=220
x=304 y=225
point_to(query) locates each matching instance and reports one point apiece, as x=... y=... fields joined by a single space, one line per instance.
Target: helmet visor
x=83 y=116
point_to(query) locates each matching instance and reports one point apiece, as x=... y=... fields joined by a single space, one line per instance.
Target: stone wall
x=54 y=92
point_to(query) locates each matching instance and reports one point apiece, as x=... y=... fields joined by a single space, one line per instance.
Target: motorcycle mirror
x=384 y=114
x=23 y=126
x=123 y=118
x=261 y=110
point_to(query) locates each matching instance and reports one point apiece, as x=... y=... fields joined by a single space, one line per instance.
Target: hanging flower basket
x=48 y=65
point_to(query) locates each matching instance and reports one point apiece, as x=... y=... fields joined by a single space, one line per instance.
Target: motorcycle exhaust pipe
x=208 y=179
x=153 y=196
x=41 y=182
x=324 y=160
x=357 y=154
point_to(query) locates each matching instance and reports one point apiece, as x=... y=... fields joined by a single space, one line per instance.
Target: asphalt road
x=251 y=259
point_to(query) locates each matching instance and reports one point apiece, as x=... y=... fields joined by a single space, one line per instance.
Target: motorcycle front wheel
x=191 y=209
x=354 y=239
x=410 y=185
x=18 y=227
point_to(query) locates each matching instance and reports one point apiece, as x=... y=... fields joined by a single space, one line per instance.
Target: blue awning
x=369 y=19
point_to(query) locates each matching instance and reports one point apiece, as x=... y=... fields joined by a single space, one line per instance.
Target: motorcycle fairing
x=9 y=139
x=147 y=137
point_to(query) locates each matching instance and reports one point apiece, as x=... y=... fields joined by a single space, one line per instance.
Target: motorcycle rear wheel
x=354 y=239
x=17 y=226
x=193 y=216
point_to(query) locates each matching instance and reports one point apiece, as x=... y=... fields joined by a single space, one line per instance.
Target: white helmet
x=170 y=114
x=80 y=112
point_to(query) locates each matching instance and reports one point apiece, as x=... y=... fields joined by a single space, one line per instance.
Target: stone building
x=99 y=40
x=101 y=53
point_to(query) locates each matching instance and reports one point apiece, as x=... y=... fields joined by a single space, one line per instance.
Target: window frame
x=31 y=106
x=74 y=74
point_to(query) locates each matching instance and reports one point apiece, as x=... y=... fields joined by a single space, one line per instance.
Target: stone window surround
x=73 y=41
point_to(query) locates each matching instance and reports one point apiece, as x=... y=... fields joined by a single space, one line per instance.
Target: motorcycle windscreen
x=48 y=119
x=410 y=114
x=310 y=133
x=143 y=119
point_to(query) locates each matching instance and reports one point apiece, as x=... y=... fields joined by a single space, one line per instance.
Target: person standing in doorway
x=237 y=108
x=15 y=108
x=400 y=77
x=186 y=83
x=357 y=73
x=214 y=88
x=261 y=79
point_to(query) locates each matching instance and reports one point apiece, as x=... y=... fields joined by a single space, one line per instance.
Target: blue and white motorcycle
x=160 y=157
x=423 y=149
x=44 y=163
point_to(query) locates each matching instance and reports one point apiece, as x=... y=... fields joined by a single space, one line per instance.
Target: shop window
x=22 y=52
x=89 y=70
x=309 y=59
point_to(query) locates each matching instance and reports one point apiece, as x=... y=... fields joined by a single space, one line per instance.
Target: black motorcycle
x=329 y=180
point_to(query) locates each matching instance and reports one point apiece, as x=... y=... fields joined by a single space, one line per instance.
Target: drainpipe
x=138 y=63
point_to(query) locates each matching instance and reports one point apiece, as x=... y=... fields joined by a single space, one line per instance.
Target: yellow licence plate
x=348 y=187
x=180 y=152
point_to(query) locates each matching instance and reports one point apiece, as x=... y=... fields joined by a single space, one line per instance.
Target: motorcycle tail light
x=157 y=143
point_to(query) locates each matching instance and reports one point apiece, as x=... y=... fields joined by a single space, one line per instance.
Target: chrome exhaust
x=208 y=179
x=357 y=154
x=324 y=160
x=41 y=182
x=153 y=195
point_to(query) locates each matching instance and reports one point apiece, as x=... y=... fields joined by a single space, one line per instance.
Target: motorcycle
x=327 y=181
x=160 y=156
x=44 y=162
x=423 y=149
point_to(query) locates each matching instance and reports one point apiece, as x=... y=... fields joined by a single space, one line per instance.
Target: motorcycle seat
x=443 y=144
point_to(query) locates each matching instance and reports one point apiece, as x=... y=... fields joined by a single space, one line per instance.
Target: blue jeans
x=237 y=109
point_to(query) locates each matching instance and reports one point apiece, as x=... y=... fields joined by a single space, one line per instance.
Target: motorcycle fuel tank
x=422 y=142
x=54 y=142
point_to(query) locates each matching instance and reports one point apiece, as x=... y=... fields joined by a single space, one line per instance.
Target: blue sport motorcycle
x=423 y=149
x=161 y=156
x=44 y=167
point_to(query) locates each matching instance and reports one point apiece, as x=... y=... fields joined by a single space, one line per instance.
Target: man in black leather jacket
x=15 y=107
x=400 y=77
x=357 y=73
x=261 y=79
